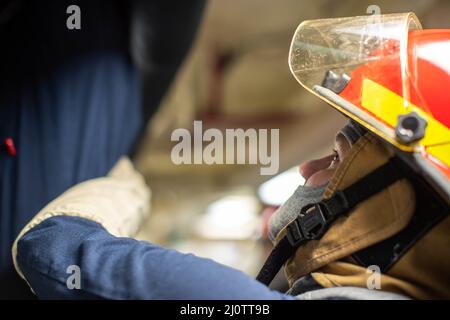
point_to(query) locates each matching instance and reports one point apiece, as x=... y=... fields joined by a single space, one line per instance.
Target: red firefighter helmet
x=390 y=76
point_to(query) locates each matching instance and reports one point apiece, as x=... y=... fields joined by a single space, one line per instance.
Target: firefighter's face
x=319 y=171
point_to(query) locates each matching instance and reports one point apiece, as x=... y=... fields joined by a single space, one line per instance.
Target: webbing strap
x=314 y=219
x=430 y=210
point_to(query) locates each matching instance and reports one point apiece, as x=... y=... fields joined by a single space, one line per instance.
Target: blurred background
x=236 y=76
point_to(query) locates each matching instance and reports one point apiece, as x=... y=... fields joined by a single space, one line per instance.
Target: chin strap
x=314 y=219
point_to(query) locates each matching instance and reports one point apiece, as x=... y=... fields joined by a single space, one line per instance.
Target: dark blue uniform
x=70 y=100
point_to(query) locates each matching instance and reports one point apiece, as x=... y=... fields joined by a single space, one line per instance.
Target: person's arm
x=123 y=268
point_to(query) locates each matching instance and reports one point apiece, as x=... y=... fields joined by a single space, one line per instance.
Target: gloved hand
x=119 y=202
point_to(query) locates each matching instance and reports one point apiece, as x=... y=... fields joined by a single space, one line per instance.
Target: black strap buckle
x=311 y=224
x=315 y=219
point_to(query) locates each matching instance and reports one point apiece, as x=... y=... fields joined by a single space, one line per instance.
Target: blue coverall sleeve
x=123 y=268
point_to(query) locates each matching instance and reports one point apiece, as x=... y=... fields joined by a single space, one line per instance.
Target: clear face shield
x=325 y=53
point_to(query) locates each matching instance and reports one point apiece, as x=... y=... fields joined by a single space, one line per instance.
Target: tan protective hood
x=420 y=273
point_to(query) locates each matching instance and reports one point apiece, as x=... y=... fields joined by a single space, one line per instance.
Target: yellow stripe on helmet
x=387 y=106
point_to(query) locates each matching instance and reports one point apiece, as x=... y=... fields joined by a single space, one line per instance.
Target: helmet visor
x=333 y=48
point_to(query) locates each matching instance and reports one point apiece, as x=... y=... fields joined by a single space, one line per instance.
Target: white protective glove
x=119 y=202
